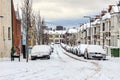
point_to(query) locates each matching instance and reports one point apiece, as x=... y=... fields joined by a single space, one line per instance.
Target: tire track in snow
x=96 y=71
x=57 y=52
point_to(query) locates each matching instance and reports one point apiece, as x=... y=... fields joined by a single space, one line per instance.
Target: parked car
x=94 y=51
x=71 y=49
x=67 y=48
x=39 y=51
x=75 y=50
x=81 y=49
x=63 y=45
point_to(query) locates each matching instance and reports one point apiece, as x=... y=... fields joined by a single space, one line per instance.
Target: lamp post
x=89 y=28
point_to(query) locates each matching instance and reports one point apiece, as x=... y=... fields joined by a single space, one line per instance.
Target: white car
x=94 y=51
x=39 y=51
x=67 y=48
x=81 y=49
x=63 y=45
x=75 y=50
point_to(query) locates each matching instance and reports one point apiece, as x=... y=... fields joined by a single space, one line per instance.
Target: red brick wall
x=16 y=30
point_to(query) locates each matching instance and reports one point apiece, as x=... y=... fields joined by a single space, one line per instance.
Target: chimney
x=103 y=12
x=92 y=19
x=97 y=16
x=110 y=7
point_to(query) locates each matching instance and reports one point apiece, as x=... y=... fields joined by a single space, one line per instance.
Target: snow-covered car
x=75 y=50
x=63 y=45
x=67 y=48
x=39 y=51
x=81 y=49
x=71 y=49
x=94 y=51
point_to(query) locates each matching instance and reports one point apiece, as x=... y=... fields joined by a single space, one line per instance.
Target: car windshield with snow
x=94 y=51
x=39 y=51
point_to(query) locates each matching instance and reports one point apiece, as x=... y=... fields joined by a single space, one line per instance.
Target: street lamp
x=90 y=27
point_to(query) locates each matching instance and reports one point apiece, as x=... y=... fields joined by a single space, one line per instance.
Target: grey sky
x=68 y=9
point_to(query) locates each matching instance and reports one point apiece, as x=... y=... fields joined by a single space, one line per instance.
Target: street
x=61 y=66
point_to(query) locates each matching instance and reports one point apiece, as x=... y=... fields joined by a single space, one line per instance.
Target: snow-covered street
x=60 y=67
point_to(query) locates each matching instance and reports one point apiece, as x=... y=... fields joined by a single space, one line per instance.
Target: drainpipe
x=12 y=22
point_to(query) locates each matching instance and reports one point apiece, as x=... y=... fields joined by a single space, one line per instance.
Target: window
x=50 y=36
x=8 y=33
x=57 y=36
x=103 y=26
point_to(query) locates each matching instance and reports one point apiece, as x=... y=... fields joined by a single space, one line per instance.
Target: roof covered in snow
x=57 y=32
x=97 y=21
x=106 y=16
x=72 y=31
x=45 y=31
x=115 y=9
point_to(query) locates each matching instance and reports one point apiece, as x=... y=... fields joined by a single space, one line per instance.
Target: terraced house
x=5 y=27
x=10 y=29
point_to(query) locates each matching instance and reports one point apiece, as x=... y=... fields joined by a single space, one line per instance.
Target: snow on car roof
x=41 y=48
x=95 y=48
x=82 y=47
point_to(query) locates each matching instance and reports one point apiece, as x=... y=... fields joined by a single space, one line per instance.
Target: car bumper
x=100 y=56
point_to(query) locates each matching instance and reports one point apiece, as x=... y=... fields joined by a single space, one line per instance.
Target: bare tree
x=40 y=28
x=38 y=24
x=26 y=16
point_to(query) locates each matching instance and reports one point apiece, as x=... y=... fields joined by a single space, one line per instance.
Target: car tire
x=87 y=56
x=104 y=59
x=33 y=58
x=84 y=57
x=48 y=57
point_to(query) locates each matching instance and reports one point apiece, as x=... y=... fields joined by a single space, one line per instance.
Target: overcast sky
x=68 y=11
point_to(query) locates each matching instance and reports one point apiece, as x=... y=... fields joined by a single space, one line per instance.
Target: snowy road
x=61 y=67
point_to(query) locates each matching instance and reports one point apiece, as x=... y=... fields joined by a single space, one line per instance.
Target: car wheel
x=87 y=56
x=48 y=57
x=104 y=59
x=84 y=57
x=33 y=58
